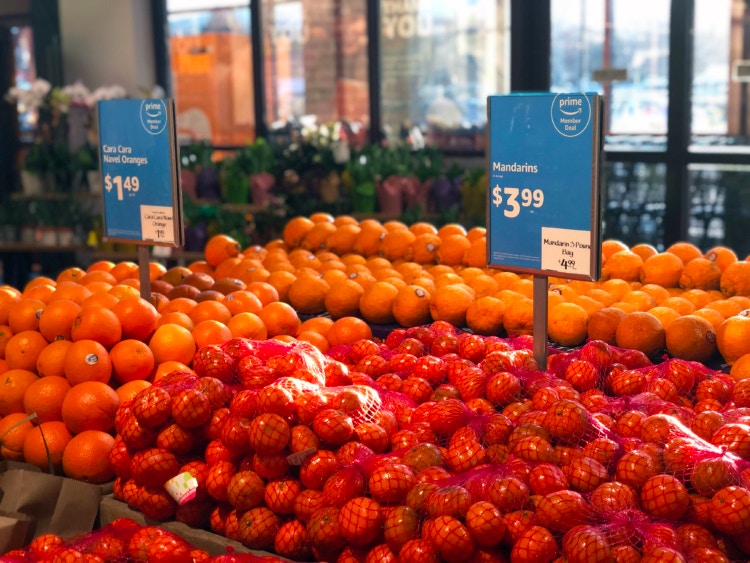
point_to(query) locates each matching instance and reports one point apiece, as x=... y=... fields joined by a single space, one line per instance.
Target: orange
x=86 y=457
x=263 y=291
x=641 y=331
x=165 y=368
x=219 y=248
x=664 y=269
x=5 y=335
x=657 y=292
x=686 y=251
x=666 y=315
x=122 y=290
x=51 y=361
x=98 y=276
x=56 y=321
x=451 y=229
x=369 y=238
x=376 y=303
x=72 y=274
x=316 y=324
x=242 y=301
x=411 y=307
x=726 y=307
x=104 y=265
x=342 y=300
x=450 y=302
x=90 y=405
x=280 y=318
x=129 y=390
x=587 y=303
x=23 y=349
x=603 y=324
x=615 y=287
x=179 y=305
x=600 y=295
x=307 y=295
x=451 y=251
x=424 y=248
x=87 y=360
x=342 y=240
x=735 y=279
x=475 y=233
x=295 y=231
x=624 y=265
x=476 y=254
x=485 y=316
x=44 y=445
x=700 y=273
x=247 y=325
x=40 y=292
x=691 y=338
x=348 y=330
x=395 y=244
x=314 y=338
x=711 y=315
x=210 y=331
x=733 y=337
x=721 y=256
x=210 y=310
x=644 y=250
x=45 y=397
x=124 y=270
x=13 y=432
x=137 y=317
x=525 y=287
x=101 y=325
x=131 y=360
x=175 y=318
x=740 y=369
x=36 y=282
x=172 y=342
x=281 y=280
x=610 y=247
x=24 y=314
x=640 y=300
x=7 y=297
x=679 y=304
x=315 y=238
x=421 y=227
x=228 y=267
x=330 y=277
x=395 y=225
x=199 y=266
x=567 y=323
x=14 y=383
x=321 y=217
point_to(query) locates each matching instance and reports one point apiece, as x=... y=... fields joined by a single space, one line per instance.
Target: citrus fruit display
x=257 y=372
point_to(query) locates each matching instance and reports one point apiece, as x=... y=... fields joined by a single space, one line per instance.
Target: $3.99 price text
x=131 y=184
x=513 y=199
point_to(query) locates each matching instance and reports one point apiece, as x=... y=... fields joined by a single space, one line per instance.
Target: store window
x=721 y=72
x=22 y=42
x=316 y=62
x=619 y=48
x=211 y=64
x=438 y=63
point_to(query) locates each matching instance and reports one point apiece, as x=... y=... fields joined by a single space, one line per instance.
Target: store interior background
x=677 y=176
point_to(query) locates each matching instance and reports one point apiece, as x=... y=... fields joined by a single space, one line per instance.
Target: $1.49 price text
x=129 y=184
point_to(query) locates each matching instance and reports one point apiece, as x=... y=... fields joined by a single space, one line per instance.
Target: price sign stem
x=144 y=273
x=541 y=285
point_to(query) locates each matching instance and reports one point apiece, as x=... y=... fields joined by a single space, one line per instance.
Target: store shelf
x=26 y=247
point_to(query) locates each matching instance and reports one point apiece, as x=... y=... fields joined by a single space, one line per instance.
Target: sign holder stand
x=540 y=320
x=144 y=272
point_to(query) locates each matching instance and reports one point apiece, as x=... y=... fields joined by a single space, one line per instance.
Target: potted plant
x=86 y=168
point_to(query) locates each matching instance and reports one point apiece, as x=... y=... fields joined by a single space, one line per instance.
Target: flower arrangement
x=63 y=120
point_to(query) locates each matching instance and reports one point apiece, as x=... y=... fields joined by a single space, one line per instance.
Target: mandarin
x=376 y=303
x=567 y=324
x=348 y=330
x=691 y=338
x=411 y=307
x=641 y=331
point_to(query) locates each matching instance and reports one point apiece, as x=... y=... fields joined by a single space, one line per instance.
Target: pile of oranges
x=74 y=347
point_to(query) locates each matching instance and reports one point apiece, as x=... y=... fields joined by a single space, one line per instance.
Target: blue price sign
x=140 y=169
x=544 y=197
